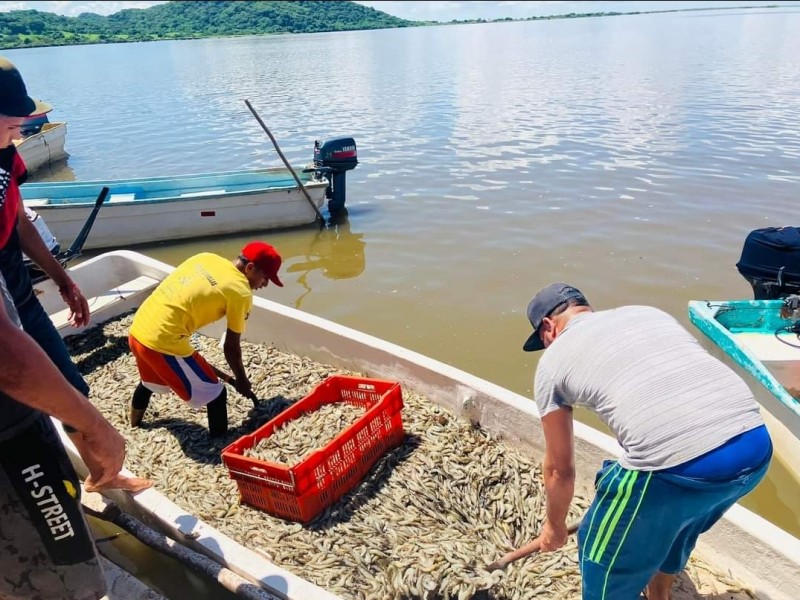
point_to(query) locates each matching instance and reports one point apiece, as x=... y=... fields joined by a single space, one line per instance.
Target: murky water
x=629 y=156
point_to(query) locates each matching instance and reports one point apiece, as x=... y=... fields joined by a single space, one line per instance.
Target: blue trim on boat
x=166 y=189
x=718 y=320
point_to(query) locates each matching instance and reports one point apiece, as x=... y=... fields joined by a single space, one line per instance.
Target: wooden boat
x=43 y=148
x=147 y=210
x=760 y=555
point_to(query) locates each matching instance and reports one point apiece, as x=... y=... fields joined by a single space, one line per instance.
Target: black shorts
x=46 y=548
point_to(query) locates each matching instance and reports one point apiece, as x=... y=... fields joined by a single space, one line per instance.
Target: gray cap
x=545 y=302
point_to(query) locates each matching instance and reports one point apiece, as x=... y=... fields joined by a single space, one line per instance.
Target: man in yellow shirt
x=201 y=290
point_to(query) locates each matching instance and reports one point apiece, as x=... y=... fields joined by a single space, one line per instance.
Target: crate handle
x=366 y=386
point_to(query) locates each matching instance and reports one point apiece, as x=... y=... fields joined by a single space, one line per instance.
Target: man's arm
x=34 y=248
x=233 y=355
x=28 y=376
x=558 y=469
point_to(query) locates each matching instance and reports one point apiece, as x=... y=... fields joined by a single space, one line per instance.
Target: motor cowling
x=340 y=154
x=332 y=159
x=770 y=262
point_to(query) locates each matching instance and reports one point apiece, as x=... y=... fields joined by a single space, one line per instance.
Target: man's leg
x=49 y=559
x=660 y=586
x=139 y=404
x=148 y=363
x=38 y=325
x=217 y=411
x=620 y=544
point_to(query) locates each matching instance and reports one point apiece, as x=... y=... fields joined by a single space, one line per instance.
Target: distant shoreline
x=70 y=38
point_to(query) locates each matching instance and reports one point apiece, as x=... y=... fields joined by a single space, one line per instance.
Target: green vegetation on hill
x=182 y=20
x=188 y=20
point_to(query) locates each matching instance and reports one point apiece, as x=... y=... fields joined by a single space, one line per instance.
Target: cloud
x=449 y=11
x=74 y=8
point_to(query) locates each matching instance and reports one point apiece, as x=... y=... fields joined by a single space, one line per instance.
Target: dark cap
x=545 y=302
x=14 y=99
x=266 y=258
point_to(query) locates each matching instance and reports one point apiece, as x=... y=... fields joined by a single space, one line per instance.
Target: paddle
x=286 y=162
x=77 y=244
x=526 y=550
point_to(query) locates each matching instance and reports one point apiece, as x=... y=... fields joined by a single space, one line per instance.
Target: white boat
x=147 y=210
x=761 y=556
x=43 y=148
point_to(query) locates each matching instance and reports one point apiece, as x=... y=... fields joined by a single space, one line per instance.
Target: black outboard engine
x=333 y=158
x=770 y=261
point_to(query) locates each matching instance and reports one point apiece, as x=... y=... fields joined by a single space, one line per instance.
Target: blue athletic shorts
x=641 y=522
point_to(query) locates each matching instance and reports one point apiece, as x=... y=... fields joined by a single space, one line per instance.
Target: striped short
x=47 y=547
x=190 y=377
x=642 y=522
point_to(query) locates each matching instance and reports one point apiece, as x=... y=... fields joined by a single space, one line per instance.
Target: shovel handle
x=527 y=549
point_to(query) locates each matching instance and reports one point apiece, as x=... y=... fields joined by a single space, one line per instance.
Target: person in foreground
x=18 y=235
x=47 y=548
x=692 y=436
x=198 y=292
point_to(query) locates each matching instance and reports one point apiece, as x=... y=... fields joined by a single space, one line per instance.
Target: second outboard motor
x=333 y=158
x=770 y=262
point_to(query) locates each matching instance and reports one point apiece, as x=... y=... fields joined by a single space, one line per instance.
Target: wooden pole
x=526 y=550
x=286 y=162
x=100 y=507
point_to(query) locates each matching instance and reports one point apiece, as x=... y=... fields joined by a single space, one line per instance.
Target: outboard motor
x=332 y=159
x=33 y=125
x=770 y=262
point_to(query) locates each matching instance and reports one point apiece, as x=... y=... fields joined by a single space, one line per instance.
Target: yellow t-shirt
x=201 y=290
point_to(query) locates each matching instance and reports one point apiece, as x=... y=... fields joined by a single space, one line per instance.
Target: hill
x=189 y=20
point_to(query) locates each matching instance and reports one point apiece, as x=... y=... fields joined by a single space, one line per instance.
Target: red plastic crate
x=301 y=491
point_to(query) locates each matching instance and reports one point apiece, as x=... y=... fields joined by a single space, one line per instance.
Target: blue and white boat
x=762 y=337
x=146 y=210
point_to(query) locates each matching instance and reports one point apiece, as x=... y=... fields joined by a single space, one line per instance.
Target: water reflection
x=335 y=250
x=54 y=171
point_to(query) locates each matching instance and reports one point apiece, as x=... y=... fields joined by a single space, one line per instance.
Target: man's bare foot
x=120 y=482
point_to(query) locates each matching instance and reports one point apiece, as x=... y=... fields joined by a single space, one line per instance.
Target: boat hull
x=44 y=148
x=152 y=210
x=760 y=555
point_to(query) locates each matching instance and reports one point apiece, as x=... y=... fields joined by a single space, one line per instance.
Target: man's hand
x=102 y=449
x=78 y=306
x=553 y=536
x=245 y=388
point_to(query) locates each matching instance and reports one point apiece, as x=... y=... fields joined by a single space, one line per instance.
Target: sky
x=429 y=10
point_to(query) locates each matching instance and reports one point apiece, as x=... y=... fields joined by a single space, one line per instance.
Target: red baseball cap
x=266 y=258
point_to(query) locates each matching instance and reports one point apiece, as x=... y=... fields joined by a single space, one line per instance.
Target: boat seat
x=122 y=197
x=109 y=299
x=203 y=193
x=36 y=201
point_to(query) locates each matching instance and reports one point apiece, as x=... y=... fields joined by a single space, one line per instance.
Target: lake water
x=629 y=156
